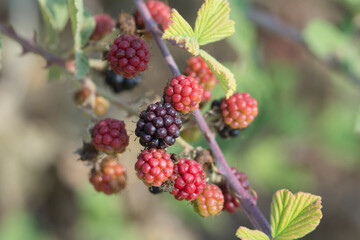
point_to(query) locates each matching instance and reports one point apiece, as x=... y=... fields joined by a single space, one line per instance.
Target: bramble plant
x=200 y=176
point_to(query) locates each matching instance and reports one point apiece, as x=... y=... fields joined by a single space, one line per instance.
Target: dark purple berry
x=118 y=83
x=158 y=126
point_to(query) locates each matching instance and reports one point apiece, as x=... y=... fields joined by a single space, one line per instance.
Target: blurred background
x=306 y=137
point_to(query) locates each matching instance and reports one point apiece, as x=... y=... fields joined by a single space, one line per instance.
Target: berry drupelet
x=109 y=136
x=118 y=83
x=128 y=55
x=154 y=166
x=111 y=177
x=184 y=93
x=190 y=180
x=159 y=125
x=210 y=202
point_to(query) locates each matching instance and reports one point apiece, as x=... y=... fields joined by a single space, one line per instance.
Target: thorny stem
x=29 y=45
x=251 y=210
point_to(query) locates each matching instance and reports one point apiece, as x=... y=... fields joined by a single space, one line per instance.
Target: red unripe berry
x=159 y=11
x=154 y=166
x=110 y=178
x=239 y=110
x=104 y=26
x=189 y=180
x=198 y=69
x=128 y=55
x=210 y=202
x=184 y=93
x=109 y=136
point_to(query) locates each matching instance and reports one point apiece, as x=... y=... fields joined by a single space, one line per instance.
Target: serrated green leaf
x=82 y=24
x=323 y=38
x=213 y=22
x=247 y=234
x=224 y=75
x=55 y=12
x=294 y=216
x=180 y=31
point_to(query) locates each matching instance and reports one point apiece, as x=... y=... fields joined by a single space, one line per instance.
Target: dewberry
x=104 y=26
x=189 y=181
x=154 y=166
x=155 y=190
x=184 y=93
x=198 y=69
x=110 y=178
x=210 y=202
x=128 y=55
x=109 y=136
x=159 y=11
x=239 y=110
x=158 y=126
x=118 y=83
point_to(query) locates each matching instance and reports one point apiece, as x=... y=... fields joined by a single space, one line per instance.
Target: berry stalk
x=251 y=210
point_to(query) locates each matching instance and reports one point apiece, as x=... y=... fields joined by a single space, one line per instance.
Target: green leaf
x=180 y=31
x=323 y=38
x=247 y=234
x=82 y=24
x=55 y=13
x=224 y=75
x=213 y=23
x=294 y=216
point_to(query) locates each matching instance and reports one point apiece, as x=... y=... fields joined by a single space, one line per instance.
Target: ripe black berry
x=118 y=83
x=155 y=190
x=228 y=132
x=158 y=126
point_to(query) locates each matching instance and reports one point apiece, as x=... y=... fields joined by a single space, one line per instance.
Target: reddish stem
x=250 y=209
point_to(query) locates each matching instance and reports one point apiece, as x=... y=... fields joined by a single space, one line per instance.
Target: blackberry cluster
x=154 y=166
x=239 y=110
x=104 y=25
x=210 y=202
x=128 y=55
x=118 y=83
x=158 y=126
x=231 y=203
x=190 y=180
x=159 y=11
x=110 y=136
x=184 y=93
x=197 y=68
x=110 y=178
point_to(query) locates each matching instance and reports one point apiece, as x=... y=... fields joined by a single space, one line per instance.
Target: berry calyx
x=110 y=178
x=159 y=125
x=159 y=11
x=128 y=55
x=184 y=93
x=239 y=110
x=118 y=83
x=197 y=68
x=210 y=202
x=109 y=136
x=104 y=25
x=154 y=166
x=189 y=181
